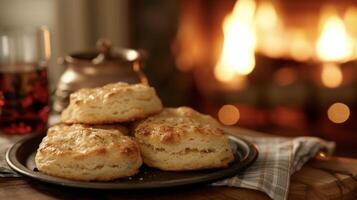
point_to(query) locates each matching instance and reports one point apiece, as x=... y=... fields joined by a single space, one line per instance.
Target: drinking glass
x=24 y=96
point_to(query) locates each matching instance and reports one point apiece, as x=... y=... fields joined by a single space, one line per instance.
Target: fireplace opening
x=286 y=67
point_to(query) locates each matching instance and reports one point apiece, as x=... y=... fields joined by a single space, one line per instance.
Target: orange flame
x=269 y=30
x=334 y=44
x=300 y=48
x=237 y=57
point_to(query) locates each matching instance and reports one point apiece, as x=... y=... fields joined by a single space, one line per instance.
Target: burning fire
x=266 y=16
x=237 y=57
x=252 y=27
x=334 y=44
x=300 y=48
x=269 y=30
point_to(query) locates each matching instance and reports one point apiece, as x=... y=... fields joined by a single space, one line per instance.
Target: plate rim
x=20 y=168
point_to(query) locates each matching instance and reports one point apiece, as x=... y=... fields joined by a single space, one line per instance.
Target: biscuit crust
x=116 y=102
x=182 y=139
x=88 y=153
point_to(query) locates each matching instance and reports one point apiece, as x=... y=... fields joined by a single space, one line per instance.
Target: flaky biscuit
x=116 y=102
x=88 y=153
x=182 y=139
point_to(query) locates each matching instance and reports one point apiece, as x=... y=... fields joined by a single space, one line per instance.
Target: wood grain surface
x=321 y=178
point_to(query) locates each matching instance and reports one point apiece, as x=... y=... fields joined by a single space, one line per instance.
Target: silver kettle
x=96 y=68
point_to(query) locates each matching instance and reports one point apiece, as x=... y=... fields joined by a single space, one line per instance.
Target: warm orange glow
x=350 y=19
x=239 y=82
x=266 y=16
x=338 y=113
x=189 y=47
x=228 y=115
x=300 y=48
x=334 y=44
x=331 y=75
x=285 y=76
x=224 y=73
x=237 y=57
x=269 y=30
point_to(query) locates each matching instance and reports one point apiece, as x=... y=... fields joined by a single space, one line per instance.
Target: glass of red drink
x=24 y=96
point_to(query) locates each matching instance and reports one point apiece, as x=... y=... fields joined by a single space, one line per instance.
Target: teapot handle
x=138 y=66
x=138 y=70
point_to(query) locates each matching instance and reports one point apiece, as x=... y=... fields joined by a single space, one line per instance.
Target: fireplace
x=287 y=67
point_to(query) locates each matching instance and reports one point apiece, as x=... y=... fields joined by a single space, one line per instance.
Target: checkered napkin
x=278 y=159
x=5 y=143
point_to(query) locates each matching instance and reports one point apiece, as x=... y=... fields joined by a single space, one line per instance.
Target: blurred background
x=284 y=67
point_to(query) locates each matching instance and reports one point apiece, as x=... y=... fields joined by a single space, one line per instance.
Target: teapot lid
x=105 y=53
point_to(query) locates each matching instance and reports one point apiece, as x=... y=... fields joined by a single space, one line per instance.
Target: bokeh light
x=331 y=75
x=338 y=113
x=228 y=115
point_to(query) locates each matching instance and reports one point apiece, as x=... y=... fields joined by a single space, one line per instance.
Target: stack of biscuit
x=92 y=143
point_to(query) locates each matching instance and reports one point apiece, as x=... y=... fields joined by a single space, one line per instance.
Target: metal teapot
x=96 y=68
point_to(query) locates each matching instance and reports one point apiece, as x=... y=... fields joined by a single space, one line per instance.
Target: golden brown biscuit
x=182 y=139
x=82 y=152
x=116 y=102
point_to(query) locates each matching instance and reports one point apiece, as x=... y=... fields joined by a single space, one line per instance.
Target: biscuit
x=81 y=152
x=179 y=139
x=116 y=102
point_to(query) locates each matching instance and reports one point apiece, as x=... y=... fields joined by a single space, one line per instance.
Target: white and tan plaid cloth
x=278 y=159
x=5 y=143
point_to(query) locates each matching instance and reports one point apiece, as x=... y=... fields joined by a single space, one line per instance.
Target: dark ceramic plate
x=21 y=158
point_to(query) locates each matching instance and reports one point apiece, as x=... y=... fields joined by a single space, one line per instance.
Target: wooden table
x=321 y=178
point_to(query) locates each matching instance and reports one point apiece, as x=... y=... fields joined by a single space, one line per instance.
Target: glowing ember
x=338 y=113
x=334 y=44
x=331 y=75
x=237 y=56
x=228 y=115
